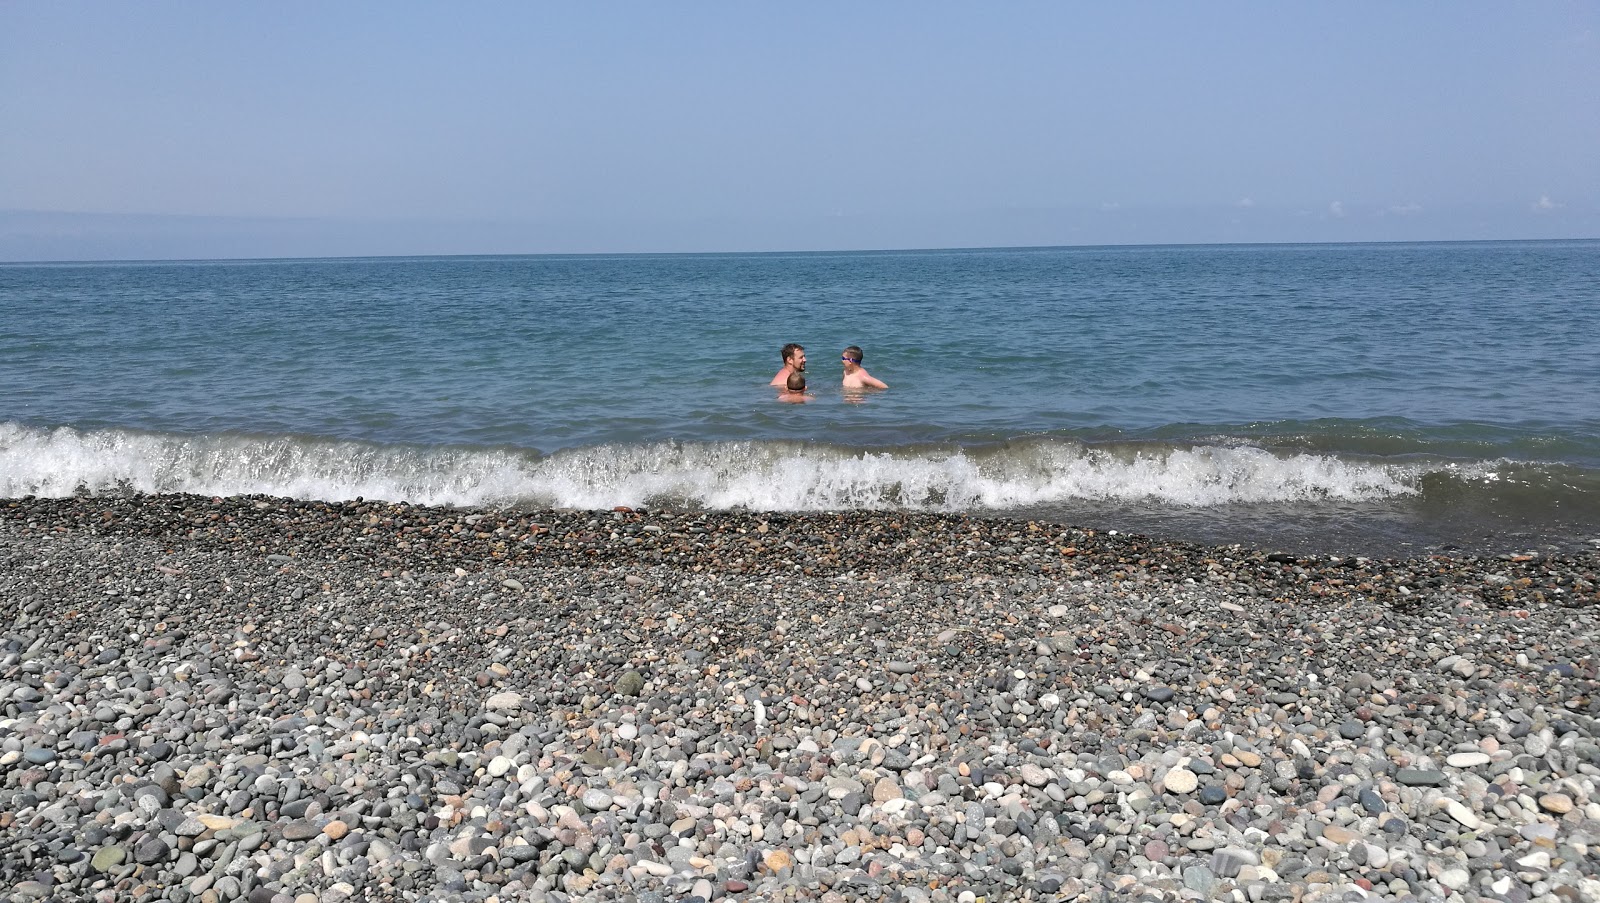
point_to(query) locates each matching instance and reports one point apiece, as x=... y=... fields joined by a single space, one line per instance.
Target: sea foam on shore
x=256 y=698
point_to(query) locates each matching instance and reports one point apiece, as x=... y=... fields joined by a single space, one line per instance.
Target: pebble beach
x=250 y=698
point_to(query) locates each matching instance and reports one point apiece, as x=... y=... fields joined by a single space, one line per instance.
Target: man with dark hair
x=794 y=361
x=856 y=376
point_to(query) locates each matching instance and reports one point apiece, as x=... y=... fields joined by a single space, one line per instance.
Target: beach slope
x=272 y=700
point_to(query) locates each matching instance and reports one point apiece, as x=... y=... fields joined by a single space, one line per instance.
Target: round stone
x=1455 y=879
x=107 y=858
x=1557 y=803
x=300 y=830
x=335 y=829
x=151 y=851
x=1180 y=780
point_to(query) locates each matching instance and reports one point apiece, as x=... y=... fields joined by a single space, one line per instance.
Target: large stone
x=300 y=830
x=631 y=683
x=1464 y=815
x=107 y=858
x=886 y=789
x=777 y=860
x=1557 y=803
x=1420 y=777
x=1180 y=780
x=504 y=702
x=1338 y=835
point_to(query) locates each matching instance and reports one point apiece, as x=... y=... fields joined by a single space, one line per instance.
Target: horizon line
x=817 y=252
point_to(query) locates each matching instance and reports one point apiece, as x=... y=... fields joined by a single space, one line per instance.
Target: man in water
x=794 y=361
x=855 y=375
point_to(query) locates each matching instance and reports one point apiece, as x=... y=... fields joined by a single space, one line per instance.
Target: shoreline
x=252 y=697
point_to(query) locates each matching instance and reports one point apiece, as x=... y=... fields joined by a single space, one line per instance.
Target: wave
x=777 y=475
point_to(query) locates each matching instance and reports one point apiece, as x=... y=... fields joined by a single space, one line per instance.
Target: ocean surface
x=1339 y=399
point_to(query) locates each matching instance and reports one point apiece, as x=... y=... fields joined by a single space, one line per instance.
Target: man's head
x=851 y=357
x=797 y=382
x=794 y=356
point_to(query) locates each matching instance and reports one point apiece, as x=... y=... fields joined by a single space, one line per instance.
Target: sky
x=162 y=130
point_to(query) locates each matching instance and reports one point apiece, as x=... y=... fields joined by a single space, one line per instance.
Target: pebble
x=335 y=700
x=1464 y=815
x=107 y=858
x=1455 y=878
x=1558 y=803
x=1338 y=835
x=1180 y=780
x=1420 y=777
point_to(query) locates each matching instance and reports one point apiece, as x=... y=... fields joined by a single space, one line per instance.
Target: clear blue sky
x=196 y=129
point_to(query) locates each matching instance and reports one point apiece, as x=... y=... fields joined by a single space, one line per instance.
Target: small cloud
x=1336 y=209
x=1111 y=205
x=1544 y=204
x=1244 y=202
x=1406 y=209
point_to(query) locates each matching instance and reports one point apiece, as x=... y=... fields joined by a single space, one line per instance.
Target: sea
x=1379 y=400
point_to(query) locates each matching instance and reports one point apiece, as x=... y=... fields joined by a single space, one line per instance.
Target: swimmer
x=794 y=361
x=794 y=389
x=856 y=376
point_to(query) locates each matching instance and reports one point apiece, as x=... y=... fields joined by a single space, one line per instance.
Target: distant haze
x=192 y=130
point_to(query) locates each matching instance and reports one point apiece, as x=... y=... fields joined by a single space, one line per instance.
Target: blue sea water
x=1343 y=398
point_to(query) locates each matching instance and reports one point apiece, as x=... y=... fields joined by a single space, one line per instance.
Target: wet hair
x=797 y=381
x=855 y=352
x=789 y=350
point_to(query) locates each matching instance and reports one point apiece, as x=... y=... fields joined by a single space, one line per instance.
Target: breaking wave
x=758 y=475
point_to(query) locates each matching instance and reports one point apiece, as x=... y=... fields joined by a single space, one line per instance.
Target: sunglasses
x=851 y=360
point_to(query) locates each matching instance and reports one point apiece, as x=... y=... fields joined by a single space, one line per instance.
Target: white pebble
x=1461 y=813
x=1181 y=780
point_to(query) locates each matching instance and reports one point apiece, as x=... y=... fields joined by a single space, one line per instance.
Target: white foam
x=753 y=475
x=65 y=461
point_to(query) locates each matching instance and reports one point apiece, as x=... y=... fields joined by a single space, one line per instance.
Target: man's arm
x=872 y=382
